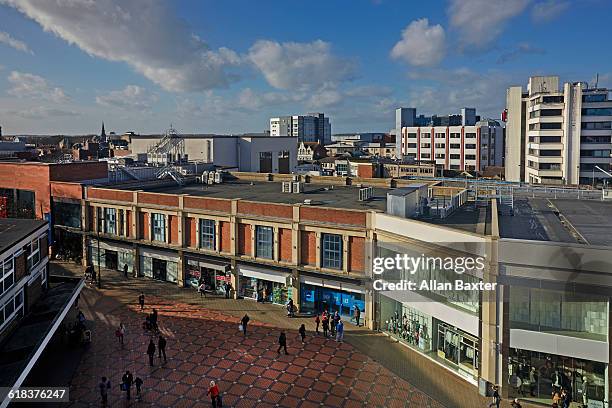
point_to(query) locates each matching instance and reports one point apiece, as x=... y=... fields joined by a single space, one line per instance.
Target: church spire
x=103 y=134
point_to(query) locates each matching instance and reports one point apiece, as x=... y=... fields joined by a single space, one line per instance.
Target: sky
x=227 y=66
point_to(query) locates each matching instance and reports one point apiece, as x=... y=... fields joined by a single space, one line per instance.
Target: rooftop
x=13 y=230
x=559 y=220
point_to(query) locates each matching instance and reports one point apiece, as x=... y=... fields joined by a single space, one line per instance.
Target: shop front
x=159 y=265
x=264 y=284
x=111 y=255
x=213 y=273
x=318 y=295
x=534 y=376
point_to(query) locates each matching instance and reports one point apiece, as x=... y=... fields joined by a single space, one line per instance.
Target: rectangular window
x=110 y=221
x=597 y=125
x=470 y=146
x=470 y=157
x=158 y=223
x=33 y=253
x=440 y=135
x=455 y=156
x=331 y=251
x=7 y=277
x=264 y=242
x=411 y=135
x=595 y=98
x=455 y=135
x=470 y=135
x=597 y=111
x=207 y=234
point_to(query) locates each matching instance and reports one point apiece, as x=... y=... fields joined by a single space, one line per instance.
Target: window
x=597 y=111
x=550 y=139
x=411 y=135
x=412 y=145
x=552 y=99
x=207 y=234
x=455 y=156
x=470 y=135
x=439 y=155
x=33 y=254
x=425 y=155
x=470 y=157
x=331 y=251
x=439 y=145
x=550 y=153
x=264 y=242
x=595 y=153
x=455 y=135
x=455 y=145
x=595 y=139
x=7 y=277
x=67 y=214
x=597 y=125
x=426 y=145
x=110 y=221
x=158 y=222
x=470 y=146
x=595 y=98
x=440 y=136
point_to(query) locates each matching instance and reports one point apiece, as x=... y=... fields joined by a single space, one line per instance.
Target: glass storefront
x=535 y=376
x=263 y=290
x=316 y=299
x=406 y=324
x=111 y=257
x=159 y=269
x=458 y=348
x=198 y=272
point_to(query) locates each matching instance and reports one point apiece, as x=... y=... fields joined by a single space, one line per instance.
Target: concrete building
x=358 y=137
x=454 y=142
x=312 y=127
x=244 y=153
x=558 y=135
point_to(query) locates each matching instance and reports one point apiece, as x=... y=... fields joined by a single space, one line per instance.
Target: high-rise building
x=558 y=135
x=454 y=142
x=312 y=127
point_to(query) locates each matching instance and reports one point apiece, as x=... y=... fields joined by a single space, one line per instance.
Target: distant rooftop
x=13 y=230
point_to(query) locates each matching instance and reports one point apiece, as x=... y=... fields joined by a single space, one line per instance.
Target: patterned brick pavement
x=205 y=345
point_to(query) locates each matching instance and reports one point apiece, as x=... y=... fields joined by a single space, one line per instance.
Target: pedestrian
x=125 y=270
x=138 y=382
x=104 y=387
x=202 y=289
x=151 y=351
x=161 y=346
x=244 y=322
x=302 y=332
x=317 y=322
x=213 y=391
x=556 y=398
x=290 y=308
x=120 y=332
x=153 y=320
x=496 y=397
x=228 y=289
x=340 y=331
x=141 y=300
x=93 y=275
x=357 y=315
x=516 y=404
x=127 y=380
x=282 y=343
x=334 y=322
x=325 y=324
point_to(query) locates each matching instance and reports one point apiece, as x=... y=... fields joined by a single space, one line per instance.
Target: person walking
x=317 y=322
x=141 y=301
x=202 y=289
x=127 y=380
x=138 y=382
x=302 y=332
x=496 y=397
x=153 y=320
x=93 y=275
x=282 y=343
x=161 y=346
x=228 y=289
x=340 y=331
x=213 y=391
x=516 y=404
x=334 y=322
x=290 y=308
x=325 y=324
x=244 y=322
x=120 y=333
x=357 y=315
x=125 y=270
x=151 y=352
x=104 y=387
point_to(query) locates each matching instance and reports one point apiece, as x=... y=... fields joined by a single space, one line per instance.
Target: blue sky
x=227 y=66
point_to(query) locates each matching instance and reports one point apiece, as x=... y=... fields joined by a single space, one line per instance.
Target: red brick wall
x=265 y=209
x=226 y=238
x=356 y=261
x=244 y=239
x=91 y=215
x=190 y=232
x=170 y=200
x=109 y=194
x=365 y=171
x=144 y=225
x=333 y=216
x=214 y=204
x=284 y=238
x=308 y=250
x=128 y=223
x=28 y=176
x=174 y=229
x=66 y=190
x=78 y=171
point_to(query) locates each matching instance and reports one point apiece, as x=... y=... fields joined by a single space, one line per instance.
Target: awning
x=209 y=263
x=332 y=284
x=262 y=273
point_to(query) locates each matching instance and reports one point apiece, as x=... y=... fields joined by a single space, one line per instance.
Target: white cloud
x=300 y=66
x=25 y=85
x=480 y=22
x=5 y=38
x=148 y=36
x=421 y=44
x=130 y=97
x=516 y=52
x=43 y=112
x=548 y=10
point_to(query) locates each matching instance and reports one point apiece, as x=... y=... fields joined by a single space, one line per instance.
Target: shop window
x=207 y=234
x=264 y=242
x=331 y=251
x=67 y=214
x=158 y=224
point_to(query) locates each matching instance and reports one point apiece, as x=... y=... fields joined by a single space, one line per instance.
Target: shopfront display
x=406 y=324
x=110 y=255
x=263 y=285
x=159 y=265
x=458 y=348
x=534 y=376
x=213 y=274
x=316 y=299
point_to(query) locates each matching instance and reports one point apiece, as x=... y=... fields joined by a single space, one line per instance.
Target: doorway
x=159 y=269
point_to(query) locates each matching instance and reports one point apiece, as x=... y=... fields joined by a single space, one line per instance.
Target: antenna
x=596 y=80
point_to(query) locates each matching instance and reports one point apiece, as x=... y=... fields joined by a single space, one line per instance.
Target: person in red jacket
x=213 y=391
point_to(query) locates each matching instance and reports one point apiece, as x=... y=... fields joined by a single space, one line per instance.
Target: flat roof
x=559 y=220
x=336 y=196
x=13 y=230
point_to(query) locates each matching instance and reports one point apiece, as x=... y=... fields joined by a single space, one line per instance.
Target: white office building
x=312 y=127
x=558 y=135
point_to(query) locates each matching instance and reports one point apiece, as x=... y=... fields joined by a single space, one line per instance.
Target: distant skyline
x=227 y=67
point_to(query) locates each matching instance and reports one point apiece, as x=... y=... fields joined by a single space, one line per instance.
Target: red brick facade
x=308 y=253
x=169 y=200
x=285 y=244
x=107 y=194
x=333 y=216
x=356 y=259
x=244 y=239
x=173 y=223
x=226 y=239
x=265 y=209
x=213 y=204
x=190 y=232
